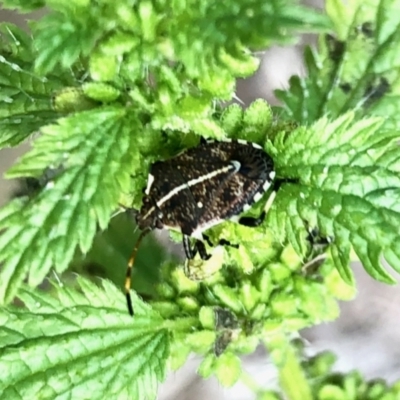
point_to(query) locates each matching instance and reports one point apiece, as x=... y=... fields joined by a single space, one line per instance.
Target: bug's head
x=149 y=216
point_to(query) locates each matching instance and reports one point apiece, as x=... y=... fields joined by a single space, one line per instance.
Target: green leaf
x=81 y=343
x=23 y=5
x=25 y=97
x=349 y=187
x=356 y=69
x=91 y=153
x=110 y=253
x=60 y=38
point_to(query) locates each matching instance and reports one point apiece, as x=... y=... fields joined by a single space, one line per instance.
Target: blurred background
x=367 y=334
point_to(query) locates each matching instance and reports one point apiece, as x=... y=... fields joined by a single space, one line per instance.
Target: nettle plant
x=104 y=90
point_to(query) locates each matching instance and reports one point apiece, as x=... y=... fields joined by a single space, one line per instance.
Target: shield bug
x=200 y=188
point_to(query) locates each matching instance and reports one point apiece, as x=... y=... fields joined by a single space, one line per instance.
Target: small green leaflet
x=81 y=344
x=94 y=152
x=356 y=68
x=349 y=188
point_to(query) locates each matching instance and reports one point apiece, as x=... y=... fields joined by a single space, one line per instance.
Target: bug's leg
x=189 y=251
x=254 y=222
x=222 y=242
x=251 y=221
x=199 y=247
x=128 y=276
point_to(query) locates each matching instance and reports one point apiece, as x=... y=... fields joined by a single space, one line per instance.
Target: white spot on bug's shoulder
x=236 y=164
x=227 y=140
x=256 y=146
x=302 y=196
x=49 y=185
x=257 y=196
x=241 y=141
x=210 y=141
x=199 y=204
x=246 y=207
x=150 y=181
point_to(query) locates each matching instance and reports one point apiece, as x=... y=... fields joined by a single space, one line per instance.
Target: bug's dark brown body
x=205 y=185
x=200 y=188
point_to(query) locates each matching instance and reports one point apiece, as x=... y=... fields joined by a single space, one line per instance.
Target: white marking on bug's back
x=199 y=204
x=241 y=141
x=257 y=196
x=256 y=146
x=272 y=175
x=150 y=181
x=193 y=182
x=266 y=185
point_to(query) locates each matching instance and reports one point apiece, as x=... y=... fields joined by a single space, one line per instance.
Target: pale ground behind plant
x=367 y=334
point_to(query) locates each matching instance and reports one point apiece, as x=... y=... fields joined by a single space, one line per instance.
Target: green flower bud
x=201 y=341
x=182 y=283
x=102 y=67
x=290 y=258
x=188 y=304
x=257 y=120
x=279 y=272
x=207 y=317
x=119 y=43
x=207 y=366
x=242 y=66
x=218 y=82
x=269 y=396
x=377 y=388
x=228 y=369
x=179 y=352
x=321 y=364
x=331 y=392
x=100 y=91
x=245 y=344
x=148 y=20
x=259 y=312
x=248 y=295
x=231 y=119
x=165 y=291
x=165 y=308
x=228 y=297
x=265 y=285
x=283 y=304
x=71 y=99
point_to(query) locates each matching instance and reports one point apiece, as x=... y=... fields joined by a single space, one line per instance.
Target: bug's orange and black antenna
x=128 y=277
